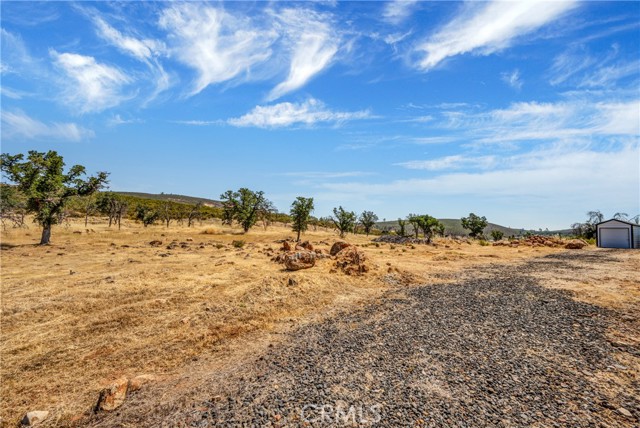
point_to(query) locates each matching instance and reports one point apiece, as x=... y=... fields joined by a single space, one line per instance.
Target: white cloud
x=451 y=162
x=546 y=174
x=17 y=124
x=217 y=45
x=396 y=11
x=117 y=120
x=583 y=70
x=15 y=56
x=485 y=28
x=287 y=114
x=512 y=79
x=313 y=45
x=144 y=50
x=529 y=122
x=199 y=122
x=93 y=86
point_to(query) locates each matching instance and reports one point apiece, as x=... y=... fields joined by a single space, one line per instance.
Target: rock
x=139 y=381
x=189 y=239
x=337 y=247
x=113 y=396
x=34 y=417
x=575 y=244
x=286 y=246
x=307 y=245
x=300 y=260
x=292 y=282
x=155 y=243
x=625 y=412
x=351 y=261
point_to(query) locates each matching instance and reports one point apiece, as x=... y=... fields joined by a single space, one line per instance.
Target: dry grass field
x=97 y=305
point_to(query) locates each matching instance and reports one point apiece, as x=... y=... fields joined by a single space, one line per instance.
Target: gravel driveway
x=494 y=348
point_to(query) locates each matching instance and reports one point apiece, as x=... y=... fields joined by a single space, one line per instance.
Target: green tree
x=497 y=234
x=402 y=224
x=146 y=215
x=430 y=226
x=474 y=224
x=413 y=221
x=13 y=206
x=113 y=206
x=368 y=219
x=587 y=229
x=345 y=221
x=300 y=212
x=47 y=188
x=195 y=213
x=243 y=206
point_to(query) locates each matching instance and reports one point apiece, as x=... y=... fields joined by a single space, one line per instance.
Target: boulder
x=337 y=247
x=155 y=243
x=307 y=246
x=300 y=260
x=139 y=381
x=113 y=396
x=352 y=261
x=286 y=246
x=34 y=417
x=575 y=244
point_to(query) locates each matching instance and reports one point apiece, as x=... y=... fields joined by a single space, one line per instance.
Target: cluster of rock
x=544 y=241
x=113 y=396
x=110 y=398
x=297 y=256
x=397 y=239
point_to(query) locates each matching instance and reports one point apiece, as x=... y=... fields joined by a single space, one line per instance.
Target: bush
x=238 y=244
x=483 y=243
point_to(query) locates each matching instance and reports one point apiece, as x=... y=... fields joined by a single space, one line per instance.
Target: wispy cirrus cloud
x=451 y=163
x=485 y=28
x=145 y=50
x=313 y=44
x=17 y=124
x=219 y=46
x=396 y=11
x=307 y=113
x=581 y=69
x=512 y=79
x=89 y=85
x=15 y=55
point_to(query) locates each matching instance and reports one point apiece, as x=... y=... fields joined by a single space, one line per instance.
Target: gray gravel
x=493 y=349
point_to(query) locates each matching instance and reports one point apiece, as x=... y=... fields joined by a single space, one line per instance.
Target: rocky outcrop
x=337 y=247
x=34 y=417
x=351 y=261
x=113 y=396
x=300 y=260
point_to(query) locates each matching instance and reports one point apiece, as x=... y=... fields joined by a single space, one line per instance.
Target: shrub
x=483 y=242
x=238 y=244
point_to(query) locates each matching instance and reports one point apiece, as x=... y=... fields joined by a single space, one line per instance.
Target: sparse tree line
x=42 y=188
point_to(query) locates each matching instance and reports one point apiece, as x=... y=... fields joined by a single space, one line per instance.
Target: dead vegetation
x=175 y=302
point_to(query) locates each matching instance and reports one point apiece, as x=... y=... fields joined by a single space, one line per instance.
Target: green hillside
x=173 y=198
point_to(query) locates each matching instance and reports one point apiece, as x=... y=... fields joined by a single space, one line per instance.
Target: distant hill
x=453 y=226
x=173 y=198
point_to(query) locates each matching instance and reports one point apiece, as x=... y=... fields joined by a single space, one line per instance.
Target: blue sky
x=525 y=112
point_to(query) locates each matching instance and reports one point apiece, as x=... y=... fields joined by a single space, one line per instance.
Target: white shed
x=617 y=234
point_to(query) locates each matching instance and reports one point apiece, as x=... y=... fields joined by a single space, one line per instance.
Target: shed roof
x=621 y=221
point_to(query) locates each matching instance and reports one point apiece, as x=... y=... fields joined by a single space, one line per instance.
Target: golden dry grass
x=95 y=306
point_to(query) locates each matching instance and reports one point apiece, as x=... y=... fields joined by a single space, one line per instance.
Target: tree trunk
x=46 y=235
x=298 y=239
